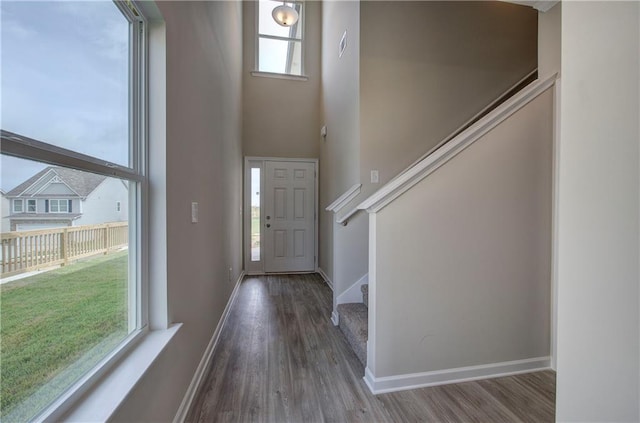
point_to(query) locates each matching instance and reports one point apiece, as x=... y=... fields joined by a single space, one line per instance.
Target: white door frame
x=257 y=267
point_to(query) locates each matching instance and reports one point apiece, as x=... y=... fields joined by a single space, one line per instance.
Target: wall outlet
x=194 y=212
x=374 y=177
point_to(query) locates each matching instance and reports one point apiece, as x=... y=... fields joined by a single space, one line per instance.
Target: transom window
x=279 y=48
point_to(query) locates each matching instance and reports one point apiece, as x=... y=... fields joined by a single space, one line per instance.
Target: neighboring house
x=57 y=197
x=4 y=212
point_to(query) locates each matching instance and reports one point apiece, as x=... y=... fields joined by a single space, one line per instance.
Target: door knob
x=268 y=225
x=268 y=217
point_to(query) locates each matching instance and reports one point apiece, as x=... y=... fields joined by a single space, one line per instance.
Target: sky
x=64 y=79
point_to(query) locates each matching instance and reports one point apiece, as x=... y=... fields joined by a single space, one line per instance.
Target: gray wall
x=281 y=117
x=340 y=151
x=549 y=36
x=204 y=164
x=463 y=258
x=598 y=276
x=427 y=67
x=350 y=253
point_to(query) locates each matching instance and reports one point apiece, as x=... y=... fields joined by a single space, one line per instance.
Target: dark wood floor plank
x=279 y=359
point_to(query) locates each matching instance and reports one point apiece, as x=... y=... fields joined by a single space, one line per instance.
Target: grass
x=52 y=320
x=255 y=225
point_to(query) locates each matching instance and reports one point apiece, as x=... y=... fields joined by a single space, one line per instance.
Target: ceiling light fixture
x=285 y=15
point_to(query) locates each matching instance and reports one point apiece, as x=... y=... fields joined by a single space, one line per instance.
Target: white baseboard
x=335 y=318
x=353 y=294
x=201 y=370
x=386 y=384
x=325 y=277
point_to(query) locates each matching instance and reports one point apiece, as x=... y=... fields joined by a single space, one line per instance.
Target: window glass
x=31 y=206
x=279 y=48
x=58 y=324
x=17 y=206
x=58 y=206
x=81 y=105
x=69 y=82
x=255 y=214
x=268 y=26
x=280 y=56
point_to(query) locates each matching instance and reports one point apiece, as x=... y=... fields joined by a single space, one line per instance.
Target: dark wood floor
x=280 y=359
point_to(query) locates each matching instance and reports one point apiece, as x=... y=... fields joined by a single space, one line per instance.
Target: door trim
x=257 y=267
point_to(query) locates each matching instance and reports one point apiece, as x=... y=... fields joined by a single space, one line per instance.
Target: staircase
x=354 y=323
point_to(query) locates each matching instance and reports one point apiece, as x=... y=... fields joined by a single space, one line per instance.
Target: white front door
x=289 y=216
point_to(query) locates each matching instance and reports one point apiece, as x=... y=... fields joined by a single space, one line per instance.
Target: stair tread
x=354 y=324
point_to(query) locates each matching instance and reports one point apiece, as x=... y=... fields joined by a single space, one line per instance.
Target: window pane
x=48 y=93
x=255 y=214
x=60 y=322
x=279 y=56
x=268 y=26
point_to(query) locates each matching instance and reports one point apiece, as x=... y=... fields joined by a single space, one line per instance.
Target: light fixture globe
x=285 y=15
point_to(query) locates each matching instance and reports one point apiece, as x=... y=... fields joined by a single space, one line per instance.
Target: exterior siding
x=100 y=205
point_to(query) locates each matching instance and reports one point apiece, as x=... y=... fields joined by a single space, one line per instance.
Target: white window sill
x=280 y=76
x=108 y=393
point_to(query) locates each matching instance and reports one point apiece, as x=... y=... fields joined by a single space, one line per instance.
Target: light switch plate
x=374 y=177
x=194 y=212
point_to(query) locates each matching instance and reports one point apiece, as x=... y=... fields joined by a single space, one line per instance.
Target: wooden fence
x=25 y=251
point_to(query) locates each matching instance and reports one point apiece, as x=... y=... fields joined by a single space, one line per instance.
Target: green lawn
x=255 y=225
x=52 y=320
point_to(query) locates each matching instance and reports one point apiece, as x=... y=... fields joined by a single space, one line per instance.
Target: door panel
x=289 y=225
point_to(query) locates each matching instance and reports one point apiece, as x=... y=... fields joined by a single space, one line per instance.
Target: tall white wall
x=549 y=36
x=203 y=164
x=350 y=253
x=281 y=117
x=462 y=259
x=340 y=150
x=598 y=277
x=429 y=66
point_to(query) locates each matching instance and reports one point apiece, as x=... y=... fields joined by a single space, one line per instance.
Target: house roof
x=82 y=183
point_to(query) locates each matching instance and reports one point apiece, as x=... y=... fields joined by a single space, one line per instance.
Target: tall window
x=279 y=48
x=72 y=104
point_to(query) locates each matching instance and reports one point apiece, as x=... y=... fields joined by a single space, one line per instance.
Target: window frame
x=258 y=36
x=18 y=201
x=30 y=202
x=137 y=174
x=59 y=201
